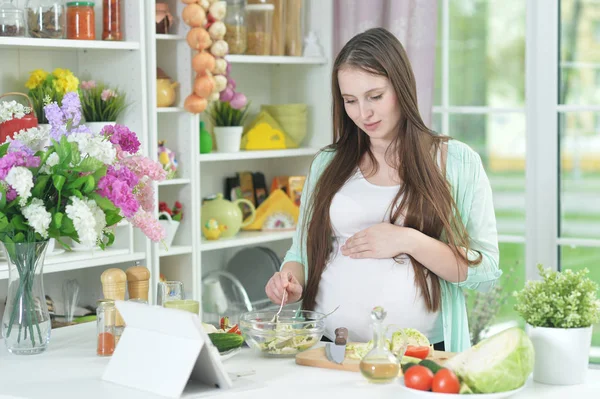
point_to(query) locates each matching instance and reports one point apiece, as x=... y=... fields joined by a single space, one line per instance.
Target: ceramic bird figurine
x=212 y=229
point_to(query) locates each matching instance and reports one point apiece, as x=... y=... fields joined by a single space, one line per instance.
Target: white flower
x=21 y=179
x=11 y=110
x=96 y=146
x=36 y=138
x=88 y=219
x=53 y=159
x=38 y=217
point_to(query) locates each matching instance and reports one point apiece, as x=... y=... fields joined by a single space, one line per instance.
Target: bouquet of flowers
x=101 y=103
x=176 y=212
x=55 y=85
x=12 y=110
x=67 y=182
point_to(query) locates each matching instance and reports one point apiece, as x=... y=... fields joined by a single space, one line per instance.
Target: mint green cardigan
x=473 y=196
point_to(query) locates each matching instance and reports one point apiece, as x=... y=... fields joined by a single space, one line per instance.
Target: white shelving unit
x=273 y=80
x=179 y=129
x=131 y=65
x=121 y=64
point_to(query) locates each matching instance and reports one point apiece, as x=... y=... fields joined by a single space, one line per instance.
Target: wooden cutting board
x=317 y=358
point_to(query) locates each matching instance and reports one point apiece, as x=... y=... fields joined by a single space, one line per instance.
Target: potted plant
x=169 y=219
x=15 y=116
x=560 y=311
x=47 y=87
x=227 y=116
x=100 y=104
x=64 y=182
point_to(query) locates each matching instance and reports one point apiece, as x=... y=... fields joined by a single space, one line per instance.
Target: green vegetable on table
x=226 y=341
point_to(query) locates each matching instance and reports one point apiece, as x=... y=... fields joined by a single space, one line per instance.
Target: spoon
x=330 y=313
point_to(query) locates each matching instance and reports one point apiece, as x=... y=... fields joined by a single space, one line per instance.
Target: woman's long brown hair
x=424 y=197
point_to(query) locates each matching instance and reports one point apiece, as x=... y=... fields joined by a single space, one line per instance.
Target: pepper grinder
x=113 y=286
x=138 y=282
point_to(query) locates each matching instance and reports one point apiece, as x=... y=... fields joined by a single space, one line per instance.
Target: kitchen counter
x=71 y=369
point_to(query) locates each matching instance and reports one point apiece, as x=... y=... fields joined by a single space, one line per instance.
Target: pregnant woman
x=392 y=213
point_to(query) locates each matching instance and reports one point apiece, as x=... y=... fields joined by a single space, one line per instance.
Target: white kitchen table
x=71 y=369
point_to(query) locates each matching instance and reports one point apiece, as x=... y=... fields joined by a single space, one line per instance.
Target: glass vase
x=26 y=322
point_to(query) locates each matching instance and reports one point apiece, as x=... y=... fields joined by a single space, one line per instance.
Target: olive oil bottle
x=379 y=365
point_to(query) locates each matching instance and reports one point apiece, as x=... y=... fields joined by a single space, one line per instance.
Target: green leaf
x=18 y=222
x=58 y=181
x=90 y=184
x=113 y=218
x=100 y=173
x=67 y=226
x=57 y=219
x=4 y=224
x=75 y=154
x=40 y=186
x=77 y=183
x=4 y=149
x=104 y=203
x=90 y=164
x=77 y=193
x=19 y=237
x=2 y=196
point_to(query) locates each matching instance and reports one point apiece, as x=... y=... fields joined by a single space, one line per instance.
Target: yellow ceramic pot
x=165 y=92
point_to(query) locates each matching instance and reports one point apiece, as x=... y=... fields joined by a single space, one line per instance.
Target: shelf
x=274 y=59
x=175 y=250
x=168 y=110
x=82 y=260
x=28 y=42
x=245 y=238
x=174 y=182
x=232 y=156
x=161 y=36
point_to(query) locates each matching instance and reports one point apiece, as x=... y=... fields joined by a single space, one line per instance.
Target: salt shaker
x=138 y=282
x=114 y=282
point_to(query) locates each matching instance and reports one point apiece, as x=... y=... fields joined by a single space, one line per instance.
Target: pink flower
x=17 y=158
x=143 y=166
x=123 y=137
x=106 y=94
x=148 y=225
x=87 y=85
x=227 y=94
x=119 y=193
x=239 y=101
x=145 y=194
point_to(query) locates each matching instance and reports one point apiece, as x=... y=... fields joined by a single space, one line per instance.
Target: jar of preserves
x=235 y=22
x=111 y=20
x=81 y=20
x=105 y=327
x=12 y=20
x=46 y=19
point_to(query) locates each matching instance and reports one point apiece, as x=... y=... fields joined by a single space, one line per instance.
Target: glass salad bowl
x=294 y=332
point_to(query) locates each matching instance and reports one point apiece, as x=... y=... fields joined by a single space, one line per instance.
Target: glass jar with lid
x=12 y=20
x=235 y=22
x=81 y=20
x=277 y=25
x=260 y=18
x=46 y=19
x=105 y=327
x=111 y=20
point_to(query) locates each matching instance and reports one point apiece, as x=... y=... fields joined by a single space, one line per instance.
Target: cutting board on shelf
x=317 y=358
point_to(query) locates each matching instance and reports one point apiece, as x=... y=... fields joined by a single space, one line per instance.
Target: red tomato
x=418 y=377
x=235 y=330
x=420 y=352
x=445 y=381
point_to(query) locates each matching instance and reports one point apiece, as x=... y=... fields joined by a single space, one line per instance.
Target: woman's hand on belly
x=381 y=241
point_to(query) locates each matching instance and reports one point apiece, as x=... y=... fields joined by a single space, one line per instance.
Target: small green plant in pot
x=227 y=115
x=560 y=310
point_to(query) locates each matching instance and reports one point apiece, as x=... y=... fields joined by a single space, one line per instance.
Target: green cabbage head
x=500 y=363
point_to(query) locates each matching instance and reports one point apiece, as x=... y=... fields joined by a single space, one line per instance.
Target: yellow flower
x=66 y=84
x=36 y=78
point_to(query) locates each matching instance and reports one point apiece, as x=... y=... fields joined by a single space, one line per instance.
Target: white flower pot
x=561 y=354
x=229 y=138
x=170 y=227
x=96 y=127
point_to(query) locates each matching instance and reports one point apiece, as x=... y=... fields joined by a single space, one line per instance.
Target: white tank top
x=358 y=285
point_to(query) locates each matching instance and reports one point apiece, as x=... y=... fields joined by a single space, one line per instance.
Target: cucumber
x=431 y=365
x=406 y=366
x=226 y=341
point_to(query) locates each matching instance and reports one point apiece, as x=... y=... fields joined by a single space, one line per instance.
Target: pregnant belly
x=358 y=285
